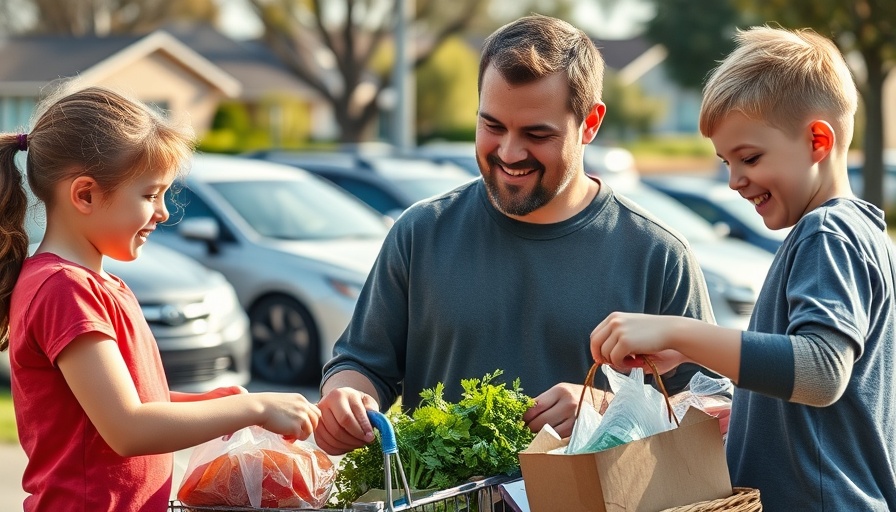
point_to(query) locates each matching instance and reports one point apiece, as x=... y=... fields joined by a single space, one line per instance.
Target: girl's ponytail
x=13 y=237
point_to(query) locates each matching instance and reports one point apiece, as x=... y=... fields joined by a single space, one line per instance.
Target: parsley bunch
x=445 y=444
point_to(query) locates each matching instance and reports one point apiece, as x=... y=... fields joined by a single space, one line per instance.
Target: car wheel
x=285 y=343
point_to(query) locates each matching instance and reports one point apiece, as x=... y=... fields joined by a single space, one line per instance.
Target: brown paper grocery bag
x=673 y=468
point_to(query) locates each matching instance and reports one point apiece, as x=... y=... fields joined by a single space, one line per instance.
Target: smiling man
x=512 y=271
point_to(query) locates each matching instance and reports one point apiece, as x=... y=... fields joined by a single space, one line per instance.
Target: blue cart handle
x=387 y=433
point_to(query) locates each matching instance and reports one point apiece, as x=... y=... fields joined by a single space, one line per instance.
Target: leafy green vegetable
x=444 y=444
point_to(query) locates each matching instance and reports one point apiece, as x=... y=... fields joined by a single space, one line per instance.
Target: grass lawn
x=7 y=418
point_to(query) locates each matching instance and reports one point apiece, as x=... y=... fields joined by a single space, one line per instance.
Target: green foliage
x=444 y=444
x=630 y=112
x=696 y=38
x=447 y=96
x=672 y=146
x=8 y=432
x=231 y=115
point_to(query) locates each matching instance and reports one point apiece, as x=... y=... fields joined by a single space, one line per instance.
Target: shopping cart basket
x=476 y=496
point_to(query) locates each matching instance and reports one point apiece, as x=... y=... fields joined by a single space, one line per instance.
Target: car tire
x=285 y=342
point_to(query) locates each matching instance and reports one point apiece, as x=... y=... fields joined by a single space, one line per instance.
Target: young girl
x=93 y=409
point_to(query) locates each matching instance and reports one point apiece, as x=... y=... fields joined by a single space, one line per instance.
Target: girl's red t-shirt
x=70 y=467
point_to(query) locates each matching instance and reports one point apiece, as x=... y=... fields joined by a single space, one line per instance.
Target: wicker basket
x=744 y=499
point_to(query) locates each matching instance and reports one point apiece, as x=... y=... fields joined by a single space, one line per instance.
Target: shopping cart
x=476 y=496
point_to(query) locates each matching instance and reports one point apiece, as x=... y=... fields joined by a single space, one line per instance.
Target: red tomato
x=284 y=481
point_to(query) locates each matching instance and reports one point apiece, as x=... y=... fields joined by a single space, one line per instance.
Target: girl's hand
x=288 y=414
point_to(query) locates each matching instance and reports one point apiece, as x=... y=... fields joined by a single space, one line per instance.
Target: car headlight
x=221 y=301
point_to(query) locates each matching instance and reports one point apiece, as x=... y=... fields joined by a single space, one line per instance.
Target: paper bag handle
x=589 y=383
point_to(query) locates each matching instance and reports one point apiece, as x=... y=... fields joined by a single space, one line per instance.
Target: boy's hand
x=623 y=336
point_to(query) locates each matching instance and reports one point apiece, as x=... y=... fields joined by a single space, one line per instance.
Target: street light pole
x=403 y=119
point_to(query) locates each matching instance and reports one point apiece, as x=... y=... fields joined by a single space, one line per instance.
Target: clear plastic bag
x=710 y=395
x=637 y=411
x=258 y=468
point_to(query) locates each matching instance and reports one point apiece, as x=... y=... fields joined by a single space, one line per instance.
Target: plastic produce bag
x=637 y=411
x=710 y=395
x=258 y=468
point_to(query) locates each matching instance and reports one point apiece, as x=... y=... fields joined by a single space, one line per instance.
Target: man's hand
x=344 y=425
x=557 y=407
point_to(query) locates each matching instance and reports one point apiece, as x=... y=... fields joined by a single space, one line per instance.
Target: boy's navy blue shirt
x=834 y=274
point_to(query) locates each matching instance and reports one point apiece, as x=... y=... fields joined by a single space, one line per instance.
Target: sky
x=238 y=20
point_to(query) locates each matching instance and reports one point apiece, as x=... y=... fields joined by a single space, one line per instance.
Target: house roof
x=619 y=53
x=252 y=63
x=30 y=62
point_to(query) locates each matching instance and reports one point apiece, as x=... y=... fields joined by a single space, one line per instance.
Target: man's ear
x=592 y=122
x=83 y=193
x=822 y=139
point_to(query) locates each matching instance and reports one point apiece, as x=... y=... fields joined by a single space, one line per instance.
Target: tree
x=696 y=39
x=447 y=99
x=331 y=46
x=99 y=17
x=866 y=27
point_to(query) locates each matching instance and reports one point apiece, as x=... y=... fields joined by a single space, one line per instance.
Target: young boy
x=812 y=424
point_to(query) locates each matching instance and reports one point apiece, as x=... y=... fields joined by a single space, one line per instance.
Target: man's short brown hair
x=537 y=46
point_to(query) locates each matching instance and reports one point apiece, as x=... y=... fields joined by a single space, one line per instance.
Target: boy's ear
x=592 y=122
x=822 y=139
x=82 y=193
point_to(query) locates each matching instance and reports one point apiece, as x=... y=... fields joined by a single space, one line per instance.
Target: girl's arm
x=98 y=377
x=177 y=396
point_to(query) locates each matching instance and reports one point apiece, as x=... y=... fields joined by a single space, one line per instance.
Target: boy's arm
x=622 y=335
x=717 y=348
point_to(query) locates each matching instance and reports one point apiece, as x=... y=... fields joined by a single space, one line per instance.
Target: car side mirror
x=203 y=229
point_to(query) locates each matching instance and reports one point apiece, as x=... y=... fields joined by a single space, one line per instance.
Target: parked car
x=388 y=183
x=722 y=207
x=608 y=162
x=857 y=179
x=195 y=317
x=296 y=249
x=734 y=270
x=461 y=154
x=614 y=164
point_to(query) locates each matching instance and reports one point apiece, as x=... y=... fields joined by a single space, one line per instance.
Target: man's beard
x=511 y=200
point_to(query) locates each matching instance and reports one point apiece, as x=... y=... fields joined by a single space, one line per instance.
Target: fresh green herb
x=444 y=444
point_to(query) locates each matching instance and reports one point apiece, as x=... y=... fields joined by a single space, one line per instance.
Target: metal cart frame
x=476 y=496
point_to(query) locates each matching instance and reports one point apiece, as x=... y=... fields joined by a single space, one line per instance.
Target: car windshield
x=742 y=210
x=300 y=210
x=419 y=178
x=677 y=216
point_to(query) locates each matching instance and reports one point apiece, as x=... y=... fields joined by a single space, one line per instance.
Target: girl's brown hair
x=92 y=132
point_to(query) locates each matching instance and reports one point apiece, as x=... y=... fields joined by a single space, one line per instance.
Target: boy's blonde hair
x=783 y=78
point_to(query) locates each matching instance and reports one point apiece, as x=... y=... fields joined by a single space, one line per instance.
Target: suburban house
x=637 y=61
x=186 y=71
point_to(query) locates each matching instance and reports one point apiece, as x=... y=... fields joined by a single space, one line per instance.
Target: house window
x=15 y=113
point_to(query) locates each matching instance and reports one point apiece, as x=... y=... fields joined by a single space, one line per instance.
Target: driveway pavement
x=13 y=460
